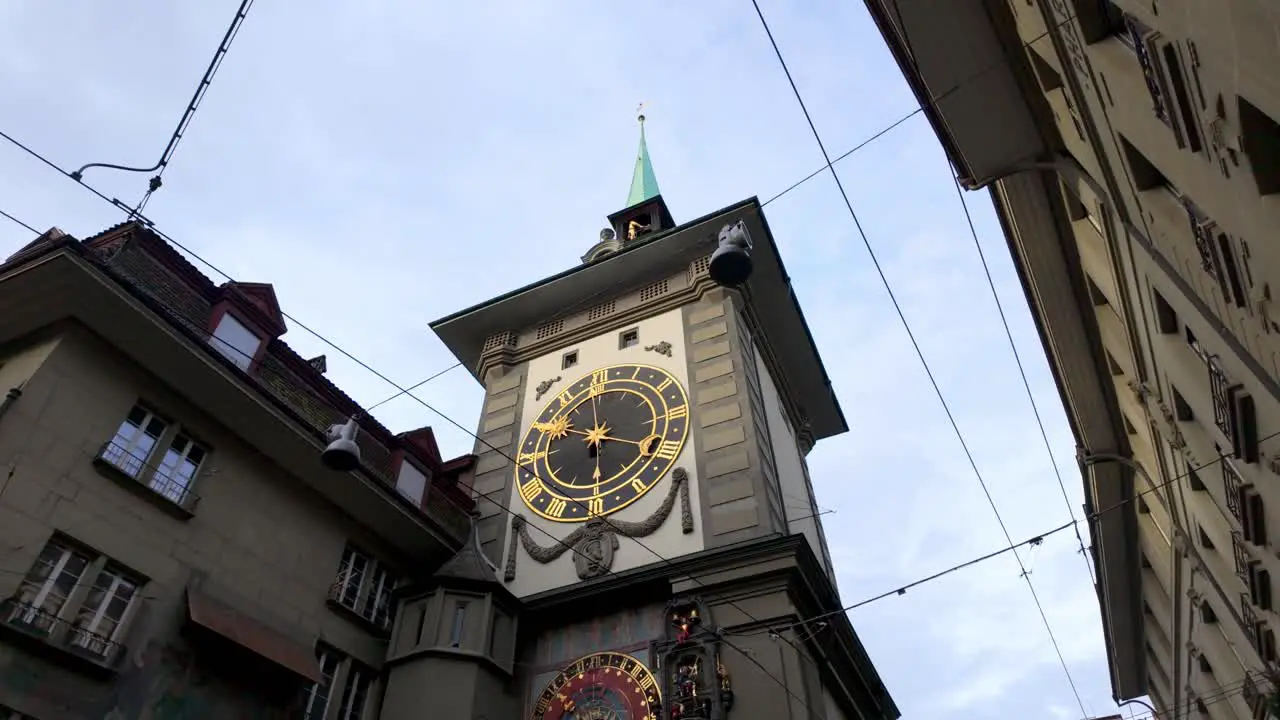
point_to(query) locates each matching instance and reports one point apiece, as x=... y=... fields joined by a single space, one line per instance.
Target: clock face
x=602 y=443
x=604 y=686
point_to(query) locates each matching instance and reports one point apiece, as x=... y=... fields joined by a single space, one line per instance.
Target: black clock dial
x=602 y=443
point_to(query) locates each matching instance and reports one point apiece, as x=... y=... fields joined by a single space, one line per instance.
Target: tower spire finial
x=644 y=184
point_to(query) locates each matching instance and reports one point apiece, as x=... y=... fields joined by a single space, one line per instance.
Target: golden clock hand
x=611 y=438
x=648 y=445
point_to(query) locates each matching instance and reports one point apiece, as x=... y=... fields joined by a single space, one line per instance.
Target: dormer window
x=235 y=341
x=411 y=482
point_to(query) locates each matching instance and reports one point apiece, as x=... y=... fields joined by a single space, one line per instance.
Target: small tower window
x=629 y=338
x=459 y=624
x=638 y=225
x=569 y=360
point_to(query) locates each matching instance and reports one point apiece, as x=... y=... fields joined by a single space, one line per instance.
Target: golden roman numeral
x=599 y=377
x=676 y=413
x=595 y=506
x=565 y=396
x=668 y=450
x=531 y=457
x=664 y=384
x=556 y=507
x=530 y=490
x=638 y=486
x=646 y=682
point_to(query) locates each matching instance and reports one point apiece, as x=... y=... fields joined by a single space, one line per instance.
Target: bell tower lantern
x=645 y=214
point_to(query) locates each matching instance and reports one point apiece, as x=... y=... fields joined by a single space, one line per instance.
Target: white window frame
x=327 y=657
x=33 y=607
x=82 y=635
x=359 y=683
x=164 y=479
x=375 y=581
x=65 y=630
x=153 y=472
x=129 y=448
x=379 y=591
x=228 y=347
x=346 y=574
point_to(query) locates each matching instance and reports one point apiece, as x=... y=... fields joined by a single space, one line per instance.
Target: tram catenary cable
x=1221 y=693
x=933 y=100
x=920 y=354
x=1035 y=540
x=187 y=115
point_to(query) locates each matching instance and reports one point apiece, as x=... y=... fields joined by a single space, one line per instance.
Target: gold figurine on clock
x=602 y=443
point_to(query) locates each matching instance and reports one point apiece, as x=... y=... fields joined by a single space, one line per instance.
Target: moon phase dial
x=603 y=686
x=602 y=443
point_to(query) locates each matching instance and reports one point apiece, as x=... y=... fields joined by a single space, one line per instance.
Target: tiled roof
x=143 y=262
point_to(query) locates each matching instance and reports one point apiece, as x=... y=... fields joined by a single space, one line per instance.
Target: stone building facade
x=1132 y=151
x=170 y=545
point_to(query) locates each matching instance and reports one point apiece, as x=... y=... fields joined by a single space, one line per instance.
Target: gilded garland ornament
x=602 y=443
x=594 y=542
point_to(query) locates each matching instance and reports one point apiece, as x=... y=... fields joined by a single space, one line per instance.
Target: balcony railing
x=38 y=624
x=1249 y=617
x=129 y=469
x=1137 y=37
x=1203 y=230
x=1243 y=559
x=1233 y=487
x=1220 y=389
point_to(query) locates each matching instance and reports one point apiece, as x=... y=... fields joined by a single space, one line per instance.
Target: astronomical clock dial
x=604 y=686
x=602 y=443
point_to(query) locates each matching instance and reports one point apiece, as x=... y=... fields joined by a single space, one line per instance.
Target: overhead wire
x=920 y=353
x=1022 y=372
x=487 y=496
x=1004 y=320
x=1026 y=383
x=19 y=222
x=178 y=132
x=1220 y=693
x=775 y=630
x=402 y=390
x=1034 y=540
x=407 y=390
x=932 y=100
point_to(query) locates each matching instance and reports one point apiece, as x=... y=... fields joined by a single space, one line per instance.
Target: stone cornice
x=525 y=344
x=516 y=346
x=455 y=654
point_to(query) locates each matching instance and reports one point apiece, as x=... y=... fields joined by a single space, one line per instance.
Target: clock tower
x=642 y=490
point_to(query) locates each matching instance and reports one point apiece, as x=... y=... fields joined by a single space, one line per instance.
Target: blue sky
x=385 y=163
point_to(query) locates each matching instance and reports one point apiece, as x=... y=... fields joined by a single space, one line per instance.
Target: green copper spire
x=644 y=184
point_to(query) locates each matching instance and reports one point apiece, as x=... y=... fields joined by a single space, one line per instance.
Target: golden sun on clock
x=602 y=443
